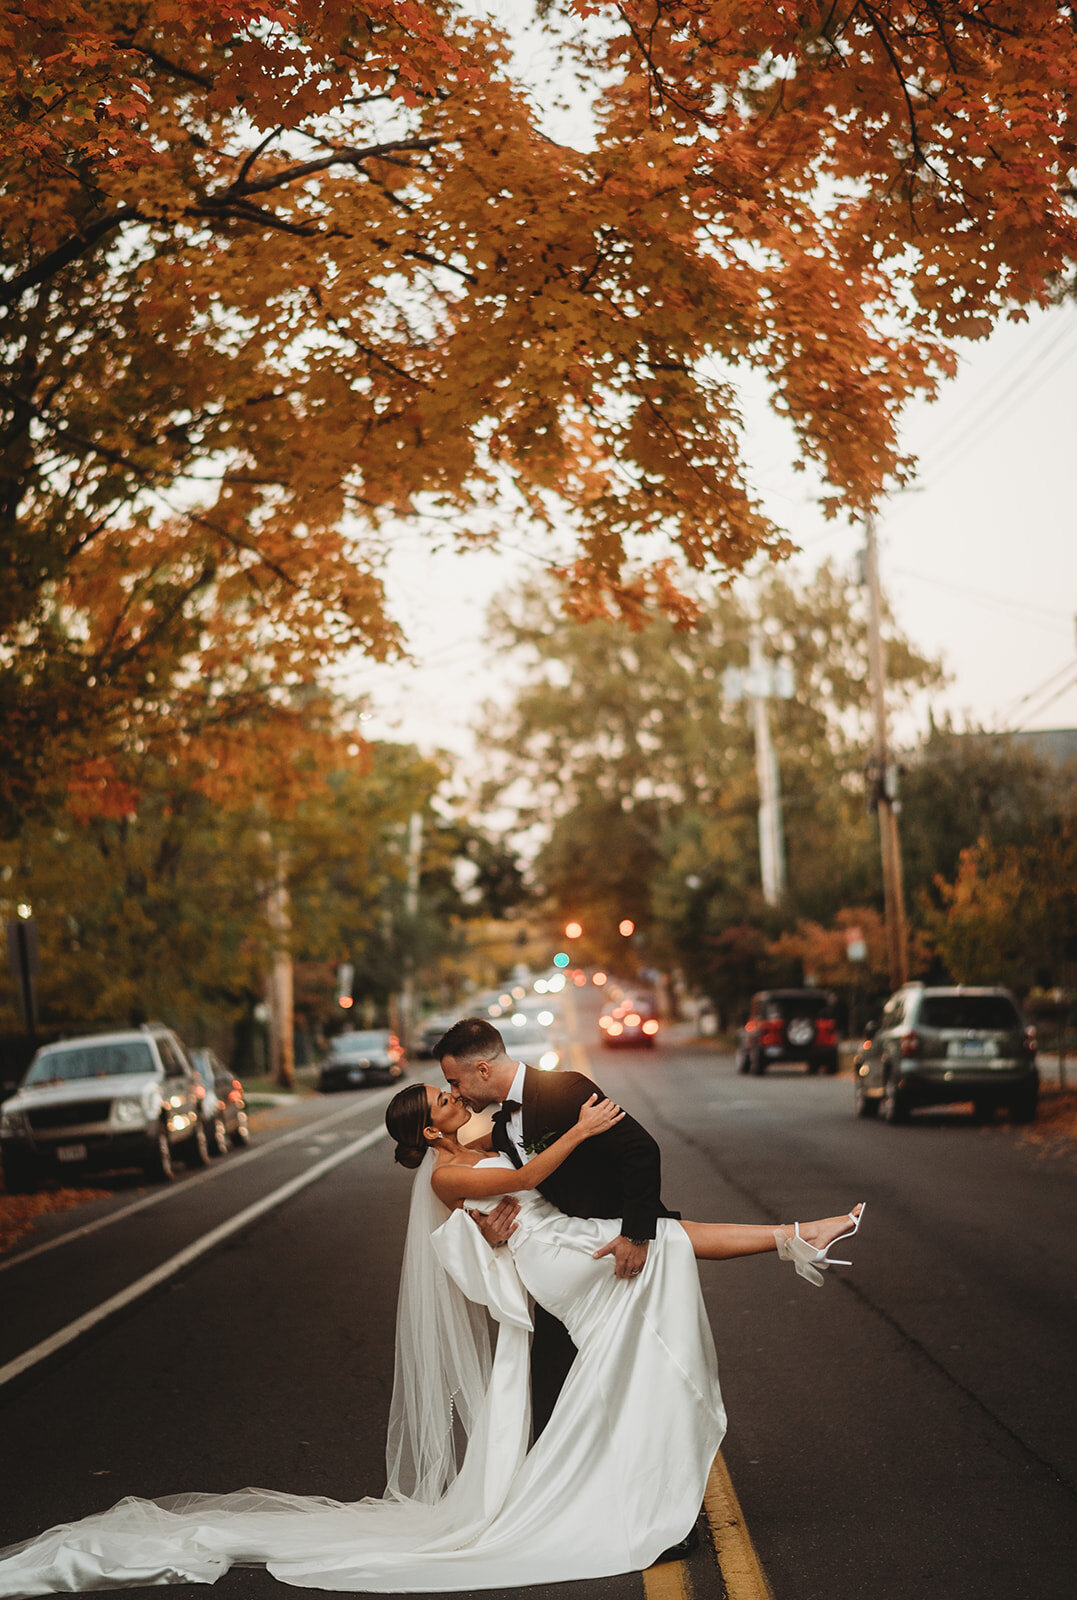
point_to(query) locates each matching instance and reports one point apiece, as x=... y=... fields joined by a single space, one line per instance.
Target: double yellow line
x=741 y=1569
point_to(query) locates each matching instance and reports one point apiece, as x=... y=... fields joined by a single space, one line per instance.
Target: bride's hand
x=598 y=1116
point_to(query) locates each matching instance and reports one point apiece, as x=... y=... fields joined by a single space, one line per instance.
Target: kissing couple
x=551 y=1233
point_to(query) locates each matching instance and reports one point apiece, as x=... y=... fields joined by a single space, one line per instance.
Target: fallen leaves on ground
x=1055 y=1126
x=19 y=1213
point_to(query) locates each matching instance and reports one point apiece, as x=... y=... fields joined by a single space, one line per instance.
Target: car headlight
x=548 y=1060
x=129 y=1110
x=13 y=1121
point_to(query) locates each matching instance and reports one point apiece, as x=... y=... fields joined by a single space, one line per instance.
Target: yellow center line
x=741 y=1569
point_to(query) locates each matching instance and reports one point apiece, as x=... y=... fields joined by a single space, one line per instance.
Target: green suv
x=936 y=1046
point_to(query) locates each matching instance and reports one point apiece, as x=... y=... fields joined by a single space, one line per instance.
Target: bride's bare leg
x=722 y=1241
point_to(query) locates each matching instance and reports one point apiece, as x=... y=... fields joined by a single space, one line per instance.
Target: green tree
x=621 y=744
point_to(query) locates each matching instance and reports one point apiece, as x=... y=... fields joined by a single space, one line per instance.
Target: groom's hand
x=628 y=1256
x=497 y=1225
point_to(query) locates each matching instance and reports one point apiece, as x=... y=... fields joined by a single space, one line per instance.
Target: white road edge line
x=228 y=1164
x=183 y=1258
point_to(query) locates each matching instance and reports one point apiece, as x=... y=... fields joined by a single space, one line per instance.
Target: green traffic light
x=560 y=959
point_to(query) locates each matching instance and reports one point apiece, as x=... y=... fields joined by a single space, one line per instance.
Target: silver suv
x=934 y=1046
x=104 y=1100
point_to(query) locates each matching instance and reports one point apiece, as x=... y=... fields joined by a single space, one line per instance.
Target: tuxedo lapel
x=499 y=1136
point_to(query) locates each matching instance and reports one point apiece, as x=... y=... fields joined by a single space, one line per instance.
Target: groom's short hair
x=470 y=1039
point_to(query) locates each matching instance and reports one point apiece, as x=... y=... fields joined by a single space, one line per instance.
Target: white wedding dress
x=615 y=1478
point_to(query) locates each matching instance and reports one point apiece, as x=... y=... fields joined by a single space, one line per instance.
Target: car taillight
x=771 y=1033
x=1031 y=1042
x=824 y=1031
x=632 y=1020
x=910 y=1043
x=650 y=1026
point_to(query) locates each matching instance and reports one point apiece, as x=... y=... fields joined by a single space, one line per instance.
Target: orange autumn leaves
x=278 y=275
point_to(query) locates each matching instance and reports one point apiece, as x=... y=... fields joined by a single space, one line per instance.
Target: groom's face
x=470 y=1080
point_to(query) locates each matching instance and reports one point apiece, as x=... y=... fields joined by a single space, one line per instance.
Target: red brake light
x=910 y=1043
x=770 y=1033
x=824 y=1031
x=650 y=1026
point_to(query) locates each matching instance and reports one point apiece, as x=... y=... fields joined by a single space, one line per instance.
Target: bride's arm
x=454 y=1181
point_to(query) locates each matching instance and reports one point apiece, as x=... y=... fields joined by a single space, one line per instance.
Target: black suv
x=789 y=1025
x=936 y=1046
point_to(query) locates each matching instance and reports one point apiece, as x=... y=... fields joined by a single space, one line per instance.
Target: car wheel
x=159 y=1166
x=196 y=1149
x=831 y=1066
x=1024 y=1108
x=241 y=1133
x=756 y=1065
x=866 y=1105
x=740 y=1061
x=218 y=1138
x=895 y=1105
x=813 y=1067
x=983 y=1111
x=21 y=1176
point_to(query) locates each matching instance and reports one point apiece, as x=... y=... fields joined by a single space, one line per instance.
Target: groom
x=617 y=1174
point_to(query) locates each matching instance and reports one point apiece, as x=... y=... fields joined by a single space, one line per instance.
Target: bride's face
x=447 y=1111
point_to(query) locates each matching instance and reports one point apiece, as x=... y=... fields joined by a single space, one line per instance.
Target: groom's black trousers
x=552 y=1353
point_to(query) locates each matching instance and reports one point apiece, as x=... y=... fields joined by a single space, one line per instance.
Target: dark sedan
x=356 y=1059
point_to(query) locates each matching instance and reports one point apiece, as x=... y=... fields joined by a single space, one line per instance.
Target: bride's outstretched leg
x=722 y=1241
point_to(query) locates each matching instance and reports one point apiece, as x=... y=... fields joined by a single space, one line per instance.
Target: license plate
x=71 y=1152
x=357 y=1077
x=971 y=1049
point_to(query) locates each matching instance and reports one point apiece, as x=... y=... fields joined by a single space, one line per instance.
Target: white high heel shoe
x=808 y=1259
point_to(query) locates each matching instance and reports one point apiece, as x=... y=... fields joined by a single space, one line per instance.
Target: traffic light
x=626 y=927
x=573 y=930
x=560 y=959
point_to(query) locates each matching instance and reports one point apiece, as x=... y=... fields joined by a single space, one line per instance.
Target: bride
x=615 y=1478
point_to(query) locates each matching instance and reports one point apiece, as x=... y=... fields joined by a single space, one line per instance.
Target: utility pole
x=411 y=919
x=882 y=777
x=771 y=839
x=279 y=980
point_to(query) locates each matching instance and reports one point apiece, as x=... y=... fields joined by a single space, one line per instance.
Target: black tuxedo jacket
x=615 y=1174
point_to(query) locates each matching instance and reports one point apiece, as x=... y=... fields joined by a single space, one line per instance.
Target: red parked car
x=789 y=1025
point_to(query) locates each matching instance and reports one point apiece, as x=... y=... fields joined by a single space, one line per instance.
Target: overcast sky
x=980 y=562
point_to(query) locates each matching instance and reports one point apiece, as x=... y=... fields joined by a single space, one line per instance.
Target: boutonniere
x=537 y=1146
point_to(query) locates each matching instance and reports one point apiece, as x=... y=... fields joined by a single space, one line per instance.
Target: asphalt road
x=907 y=1430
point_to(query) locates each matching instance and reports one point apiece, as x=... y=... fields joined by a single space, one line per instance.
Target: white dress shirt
x=514 y=1127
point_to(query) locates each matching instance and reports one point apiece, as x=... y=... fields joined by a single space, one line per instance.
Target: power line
x=1040 y=709
x=1025 y=356
x=984 y=595
x=987 y=421
x=1040 y=688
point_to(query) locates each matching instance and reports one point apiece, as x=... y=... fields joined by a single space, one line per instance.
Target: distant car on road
x=629 y=1024
x=429 y=1034
x=531 y=1043
x=935 y=1046
x=789 y=1025
x=373 y=1055
x=123 y=1099
x=224 y=1105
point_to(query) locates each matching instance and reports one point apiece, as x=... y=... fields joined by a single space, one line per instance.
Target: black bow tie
x=508 y=1107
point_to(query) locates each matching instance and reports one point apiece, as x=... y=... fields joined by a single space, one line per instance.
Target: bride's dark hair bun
x=407 y=1116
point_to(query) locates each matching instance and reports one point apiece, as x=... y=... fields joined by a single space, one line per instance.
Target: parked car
x=429 y=1034
x=937 y=1046
x=121 y=1099
x=630 y=1023
x=355 y=1059
x=789 y=1025
x=531 y=1043
x=224 y=1105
